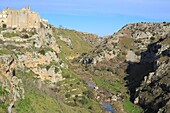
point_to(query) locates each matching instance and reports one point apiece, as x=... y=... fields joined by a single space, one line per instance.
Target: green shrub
x=56 y=69
x=67 y=95
x=83 y=100
x=3 y=108
x=89 y=94
x=47 y=67
x=152 y=38
x=25 y=36
x=42 y=52
x=3 y=91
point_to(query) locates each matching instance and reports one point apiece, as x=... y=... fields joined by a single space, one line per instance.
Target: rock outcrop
x=140 y=53
x=10 y=86
x=38 y=51
x=153 y=93
x=130 y=65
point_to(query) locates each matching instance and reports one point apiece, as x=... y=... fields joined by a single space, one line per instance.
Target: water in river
x=108 y=107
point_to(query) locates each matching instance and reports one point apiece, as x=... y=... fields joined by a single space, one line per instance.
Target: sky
x=102 y=17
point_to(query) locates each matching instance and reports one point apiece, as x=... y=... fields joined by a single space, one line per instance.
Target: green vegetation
x=3 y=91
x=114 y=86
x=45 y=50
x=79 y=45
x=5 y=51
x=2 y=29
x=24 y=36
x=37 y=101
x=72 y=94
x=41 y=100
x=131 y=108
x=127 y=43
x=9 y=35
x=3 y=105
x=3 y=108
x=73 y=85
x=73 y=80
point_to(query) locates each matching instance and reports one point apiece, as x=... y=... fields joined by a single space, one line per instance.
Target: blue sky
x=102 y=17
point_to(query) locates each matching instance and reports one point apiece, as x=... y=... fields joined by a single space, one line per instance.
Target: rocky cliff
x=60 y=70
x=36 y=62
x=138 y=55
x=11 y=88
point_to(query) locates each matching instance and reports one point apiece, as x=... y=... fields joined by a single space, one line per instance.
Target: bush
x=152 y=38
x=67 y=95
x=83 y=100
x=42 y=52
x=89 y=94
x=47 y=67
x=3 y=91
x=25 y=36
x=56 y=69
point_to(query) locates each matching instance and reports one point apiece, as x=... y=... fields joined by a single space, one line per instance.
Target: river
x=108 y=107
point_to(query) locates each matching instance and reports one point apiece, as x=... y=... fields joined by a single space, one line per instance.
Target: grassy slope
x=79 y=45
x=38 y=101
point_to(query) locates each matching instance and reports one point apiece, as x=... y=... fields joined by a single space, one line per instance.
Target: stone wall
x=24 y=18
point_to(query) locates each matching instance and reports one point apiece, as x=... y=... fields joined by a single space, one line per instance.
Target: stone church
x=24 y=18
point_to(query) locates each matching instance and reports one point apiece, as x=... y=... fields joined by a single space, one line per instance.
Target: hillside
x=136 y=57
x=65 y=71
x=35 y=69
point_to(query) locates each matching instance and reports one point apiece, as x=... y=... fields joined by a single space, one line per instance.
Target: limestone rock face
x=10 y=85
x=153 y=93
x=66 y=40
x=135 y=60
x=33 y=53
x=141 y=51
x=37 y=50
x=132 y=57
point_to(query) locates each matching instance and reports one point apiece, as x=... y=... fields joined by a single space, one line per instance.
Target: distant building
x=24 y=18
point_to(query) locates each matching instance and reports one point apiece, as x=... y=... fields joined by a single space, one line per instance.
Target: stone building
x=24 y=18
